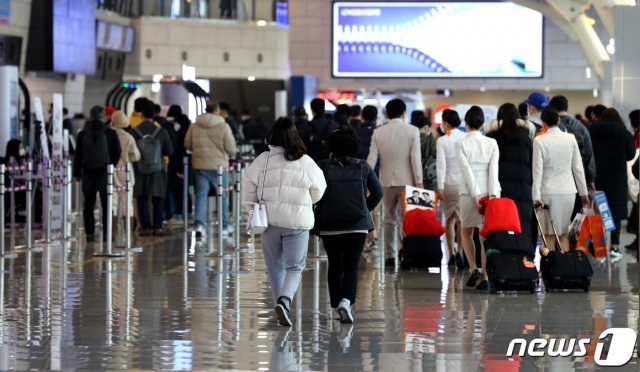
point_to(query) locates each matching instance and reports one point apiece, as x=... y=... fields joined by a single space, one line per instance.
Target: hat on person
x=119 y=119
x=538 y=100
x=109 y=110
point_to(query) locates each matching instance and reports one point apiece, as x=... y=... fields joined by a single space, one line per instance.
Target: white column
x=626 y=60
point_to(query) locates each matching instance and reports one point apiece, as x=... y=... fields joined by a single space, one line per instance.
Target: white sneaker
x=615 y=252
x=344 y=309
x=228 y=230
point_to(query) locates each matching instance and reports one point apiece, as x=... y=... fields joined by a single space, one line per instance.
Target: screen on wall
x=436 y=39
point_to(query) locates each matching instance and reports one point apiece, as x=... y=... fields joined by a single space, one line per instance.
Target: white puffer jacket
x=290 y=190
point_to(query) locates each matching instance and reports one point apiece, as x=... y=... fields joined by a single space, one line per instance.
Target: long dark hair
x=284 y=134
x=509 y=133
x=611 y=115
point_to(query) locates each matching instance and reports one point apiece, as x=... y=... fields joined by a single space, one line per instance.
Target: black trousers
x=93 y=183
x=143 y=212
x=344 y=253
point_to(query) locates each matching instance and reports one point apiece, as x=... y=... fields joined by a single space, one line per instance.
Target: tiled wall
x=204 y=42
x=310 y=49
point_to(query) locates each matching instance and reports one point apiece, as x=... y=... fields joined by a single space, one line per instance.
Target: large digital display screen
x=74 y=36
x=436 y=39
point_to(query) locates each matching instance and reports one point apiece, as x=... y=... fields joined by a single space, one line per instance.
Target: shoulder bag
x=257 y=221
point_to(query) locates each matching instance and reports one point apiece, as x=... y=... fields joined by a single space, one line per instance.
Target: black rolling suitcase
x=570 y=270
x=421 y=252
x=511 y=268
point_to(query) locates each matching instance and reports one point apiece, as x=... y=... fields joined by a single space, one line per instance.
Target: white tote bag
x=257 y=221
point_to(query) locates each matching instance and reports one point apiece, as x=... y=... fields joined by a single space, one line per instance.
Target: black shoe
x=452 y=261
x=460 y=260
x=90 y=238
x=475 y=275
x=390 y=263
x=282 y=311
x=483 y=286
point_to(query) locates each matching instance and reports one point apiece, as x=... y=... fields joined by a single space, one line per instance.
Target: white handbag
x=257 y=221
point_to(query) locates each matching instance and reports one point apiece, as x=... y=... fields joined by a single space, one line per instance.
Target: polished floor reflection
x=178 y=306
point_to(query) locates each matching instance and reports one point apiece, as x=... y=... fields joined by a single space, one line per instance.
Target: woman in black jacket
x=613 y=147
x=343 y=216
x=515 y=163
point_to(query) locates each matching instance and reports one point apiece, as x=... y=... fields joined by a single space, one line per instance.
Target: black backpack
x=344 y=199
x=95 y=149
x=316 y=142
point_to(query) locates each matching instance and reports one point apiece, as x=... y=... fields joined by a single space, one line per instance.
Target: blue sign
x=602 y=207
x=5 y=11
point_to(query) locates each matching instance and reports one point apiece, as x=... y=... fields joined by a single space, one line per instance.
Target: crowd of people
x=534 y=153
x=328 y=174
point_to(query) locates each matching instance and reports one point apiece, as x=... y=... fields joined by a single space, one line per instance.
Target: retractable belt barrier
x=111 y=189
x=28 y=187
x=235 y=172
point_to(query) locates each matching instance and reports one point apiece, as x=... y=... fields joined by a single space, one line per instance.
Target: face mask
x=176 y=127
x=21 y=152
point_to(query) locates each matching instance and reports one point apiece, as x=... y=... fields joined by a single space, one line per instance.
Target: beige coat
x=129 y=154
x=398 y=145
x=210 y=141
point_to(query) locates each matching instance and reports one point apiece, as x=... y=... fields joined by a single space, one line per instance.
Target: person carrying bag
x=291 y=184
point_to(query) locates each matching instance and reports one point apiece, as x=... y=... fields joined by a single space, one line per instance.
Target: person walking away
x=613 y=147
x=355 y=119
x=97 y=147
x=632 y=221
x=319 y=130
x=536 y=102
x=169 y=203
x=344 y=217
x=211 y=143
x=448 y=180
x=154 y=145
x=572 y=125
x=288 y=182
x=129 y=154
x=180 y=125
x=557 y=174
x=397 y=145
x=514 y=168
x=479 y=158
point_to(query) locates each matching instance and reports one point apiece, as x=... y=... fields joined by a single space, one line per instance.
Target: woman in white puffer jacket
x=290 y=186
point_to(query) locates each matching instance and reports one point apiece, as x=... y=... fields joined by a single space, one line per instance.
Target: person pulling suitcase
x=562 y=270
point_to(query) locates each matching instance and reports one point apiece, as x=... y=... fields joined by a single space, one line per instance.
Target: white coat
x=478 y=157
x=291 y=188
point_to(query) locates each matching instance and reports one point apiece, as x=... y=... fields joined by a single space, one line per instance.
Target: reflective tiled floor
x=172 y=306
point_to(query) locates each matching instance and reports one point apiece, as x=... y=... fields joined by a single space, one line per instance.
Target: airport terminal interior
x=315 y=185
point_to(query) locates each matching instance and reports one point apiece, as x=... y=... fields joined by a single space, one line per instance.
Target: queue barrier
x=28 y=186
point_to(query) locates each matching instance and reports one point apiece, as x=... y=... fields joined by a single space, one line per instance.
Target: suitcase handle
x=555 y=232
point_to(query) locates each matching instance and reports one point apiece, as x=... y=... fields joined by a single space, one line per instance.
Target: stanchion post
x=69 y=185
x=63 y=194
x=219 y=198
x=47 y=200
x=109 y=243
x=238 y=206
x=2 y=210
x=29 y=242
x=185 y=192
x=12 y=211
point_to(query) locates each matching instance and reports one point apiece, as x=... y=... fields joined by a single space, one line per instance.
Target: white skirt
x=469 y=213
x=560 y=208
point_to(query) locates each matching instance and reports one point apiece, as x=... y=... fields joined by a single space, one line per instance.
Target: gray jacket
x=575 y=127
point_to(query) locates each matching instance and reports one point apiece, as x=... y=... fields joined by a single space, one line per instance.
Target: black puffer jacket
x=340 y=209
x=515 y=172
x=613 y=146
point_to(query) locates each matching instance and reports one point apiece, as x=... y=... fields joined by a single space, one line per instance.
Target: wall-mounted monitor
x=114 y=36
x=436 y=40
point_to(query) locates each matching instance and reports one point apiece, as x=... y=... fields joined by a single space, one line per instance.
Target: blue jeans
x=204 y=180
